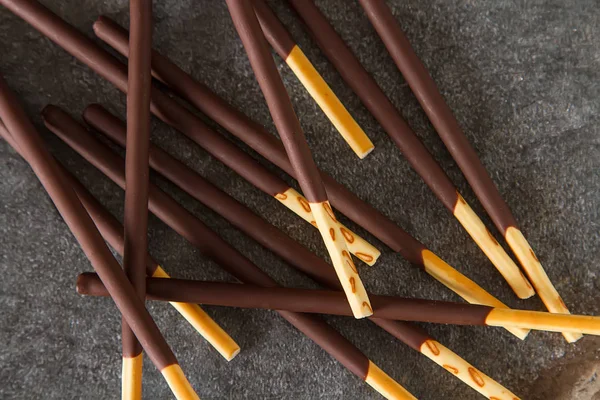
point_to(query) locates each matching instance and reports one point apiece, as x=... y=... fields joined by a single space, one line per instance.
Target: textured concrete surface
x=522 y=78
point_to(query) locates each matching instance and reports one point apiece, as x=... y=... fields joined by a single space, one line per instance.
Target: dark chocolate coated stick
x=410 y=334
x=84 y=230
x=135 y=218
x=288 y=49
x=214 y=247
x=268 y=146
x=329 y=302
x=112 y=232
x=457 y=143
x=407 y=141
x=296 y=147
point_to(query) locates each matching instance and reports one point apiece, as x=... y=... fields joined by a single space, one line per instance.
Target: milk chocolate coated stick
x=213 y=246
x=87 y=52
x=283 y=43
x=251 y=171
x=112 y=232
x=457 y=143
x=267 y=145
x=84 y=230
x=172 y=113
x=330 y=302
x=135 y=220
x=407 y=141
x=297 y=255
x=238 y=214
x=292 y=135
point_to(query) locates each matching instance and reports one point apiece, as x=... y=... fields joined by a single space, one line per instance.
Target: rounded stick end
x=385 y=385
x=178 y=383
x=131 y=376
x=492 y=249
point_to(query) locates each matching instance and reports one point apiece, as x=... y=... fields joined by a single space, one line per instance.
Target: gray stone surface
x=522 y=78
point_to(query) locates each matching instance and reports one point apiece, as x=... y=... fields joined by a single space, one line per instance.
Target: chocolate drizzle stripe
x=298 y=300
x=135 y=220
x=69 y=206
x=198 y=234
x=277 y=99
x=439 y=113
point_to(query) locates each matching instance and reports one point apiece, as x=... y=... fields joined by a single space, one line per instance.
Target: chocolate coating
x=229 y=208
x=236 y=122
x=376 y=102
x=45 y=167
x=209 y=243
x=278 y=100
x=110 y=228
x=256 y=136
x=136 y=160
x=298 y=300
x=413 y=335
x=162 y=106
x=242 y=217
x=267 y=145
x=437 y=110
x=275 y=33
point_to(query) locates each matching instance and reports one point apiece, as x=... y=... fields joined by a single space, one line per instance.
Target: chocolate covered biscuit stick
x=238 y=214
x=116 y=36
x=268 y=146
x=330 y=302
x=112 y=232
x=285 y=46
x=407 y=141
x=313 y=266
x=135 y=220
x=291 y=133
x=213 y=246
x=457 y=143
x=171 y=112
x=83 y=228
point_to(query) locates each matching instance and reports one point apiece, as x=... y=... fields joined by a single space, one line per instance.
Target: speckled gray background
x=522 y=78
